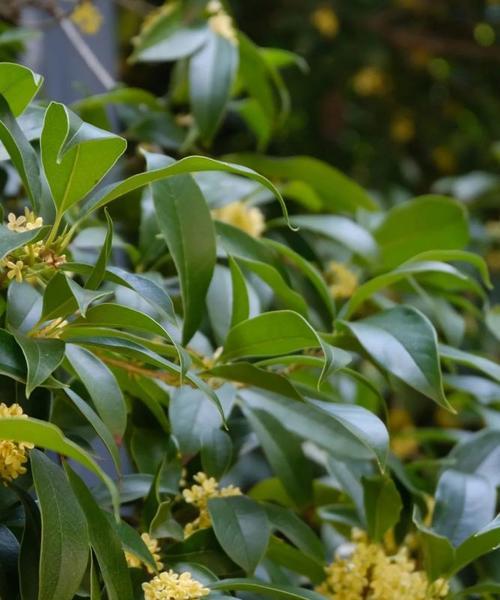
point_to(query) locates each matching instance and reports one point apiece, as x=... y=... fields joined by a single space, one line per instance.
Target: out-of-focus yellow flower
x=369 y=572
x=342 y=282
x=484 y=34
x=420 y=57
x=493 y=260
x=444 y=160
x=370 y=81
x=444 y=418
x=402 y=128
x=199 y=494
x=248 y=218
x=13 y=455
x=26 y=222
x=172 y=586
x=154 y=548
x=223 y=25
x=325 y=21
x=403 y=441
x=87 y=17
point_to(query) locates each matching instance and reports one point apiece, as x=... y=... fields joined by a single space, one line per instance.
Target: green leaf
x=105 y=543
x=249 y=374
x=478 y=544
x=99 y=270
x=190 y=164
x=345 y=431
x=240 y=300
x=11 y=240
x=479 y=454
x=65 y=538
x=283 y=450
x=43 y=356
x=488 y=367
x=18 y=85
x=100 y=428
x=292 y=559
x=101 y=386
x=270 y=334
x=493 y=320
x=29 y=555
x=211 y=74
x=23 y=307
x=75 y=155
x=22 y=154
x=9 y=552
x=411 y=268
x=425 y=223
x=279 y=592
x=185 y=222
x=382 y=505
x=12 y=361
x=241 y=528
x=464 y=504
x=403 y=341
x=63 y=297
x=338 y=192
x=342 y=230
x=439 y=554
x=46 y=435
x=216 y=452
x=132 y=542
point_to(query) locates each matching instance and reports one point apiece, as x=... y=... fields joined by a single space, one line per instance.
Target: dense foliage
x=234 y=377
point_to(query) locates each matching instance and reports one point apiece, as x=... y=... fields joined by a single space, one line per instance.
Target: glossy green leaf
x=240 y=300
x=29 y=553
x=439 y=554
x=11 y=240
x=242 y=529
x=185 y=222
x=464 y=503
x=480 y=543
x=403 y=342
x=474 y=361
x=75 y=155
x=102 y=387
x=382 y=505
x=105 y=543
x=18 y=85
x=97 y=275
x=337 y=191
x=24 y=304
x=12 y=361
x=281 y=553
x=216 y=452
x=283 y=450
x=211 y=73
x=425 y=223
x=493 y=320
x=65 y=539
x=279 y=592
x=42 y=356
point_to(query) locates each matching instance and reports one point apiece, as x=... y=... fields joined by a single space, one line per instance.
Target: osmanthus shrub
x=225 y=402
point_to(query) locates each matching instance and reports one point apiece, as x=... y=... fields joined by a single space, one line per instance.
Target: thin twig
x=87 y=54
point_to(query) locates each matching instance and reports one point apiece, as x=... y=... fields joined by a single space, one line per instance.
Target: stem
x=169 y=378
x=53 y=231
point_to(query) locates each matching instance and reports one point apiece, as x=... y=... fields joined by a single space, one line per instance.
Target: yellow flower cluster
x=325 y=21
x=87 y=17
x=402 y=128
x=342 y=282
x=26 y=222
x=248 y=218
x=199 y=494
x=13 y=455
x=220 y=22
x=369 y=573
x=135 y=563
x=171 y=586
x=370 y=81
x=403 y=441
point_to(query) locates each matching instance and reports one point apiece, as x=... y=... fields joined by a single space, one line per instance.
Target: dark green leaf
x=382 y=505
x=43 y=356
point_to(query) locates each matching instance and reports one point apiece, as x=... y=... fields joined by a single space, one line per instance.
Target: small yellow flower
x=13 y=455
x=444 y=160
x=248 y=218
x=14 y=269
x=493 y=260
x=223 y=25
x=172 y=586
x=325 y=21
x=343 y=282
x=154 y=548
x=53 y=330
x=365 y=570
x=26 y=222
x=370 y=81
x=87 y=17
x=402 y=128
x=199 y=494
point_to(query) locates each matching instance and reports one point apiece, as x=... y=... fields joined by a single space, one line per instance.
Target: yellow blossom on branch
x=370 y=81
x=26 y=222
x=154 y=548
x=172 y=586
x=87 y=17
x=365 y=570
x=325 y=21
x=342 y=282
x=13 y=455
x=199 y=494
x=248 y=218
x=14 y=269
